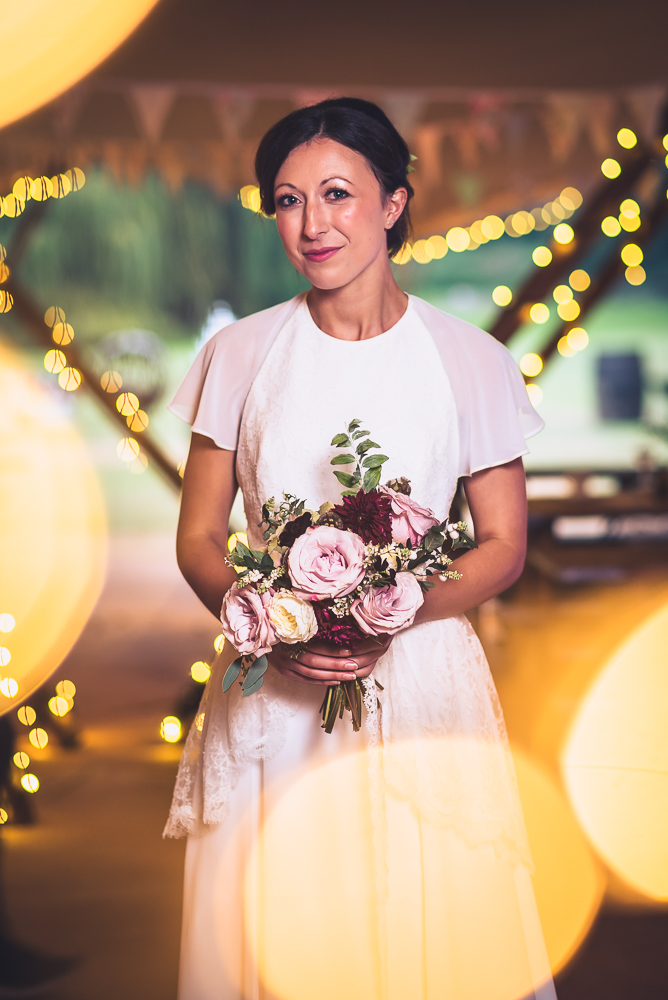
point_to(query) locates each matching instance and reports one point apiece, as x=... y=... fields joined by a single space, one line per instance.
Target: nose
x=315 y=224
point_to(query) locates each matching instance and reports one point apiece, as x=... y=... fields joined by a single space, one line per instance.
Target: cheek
x=289 y=230
x=362 y=223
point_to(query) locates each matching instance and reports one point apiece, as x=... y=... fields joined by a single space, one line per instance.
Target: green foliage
x=367 y=467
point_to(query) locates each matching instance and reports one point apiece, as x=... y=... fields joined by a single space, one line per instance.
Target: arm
x=497 y=498
x=209 y=488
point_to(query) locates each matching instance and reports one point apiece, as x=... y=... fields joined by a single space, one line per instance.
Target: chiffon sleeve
x=493 y=409
x=212 y=396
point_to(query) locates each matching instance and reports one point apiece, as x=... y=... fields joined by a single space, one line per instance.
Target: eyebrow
x=326 y=181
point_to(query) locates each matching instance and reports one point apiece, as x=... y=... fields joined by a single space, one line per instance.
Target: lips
x=324 y=253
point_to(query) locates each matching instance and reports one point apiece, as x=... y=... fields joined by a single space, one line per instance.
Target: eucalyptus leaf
x=353 y=425
x=253 y=679
x=346 y=479
x=231 y=674
x=360 y=434
x=371 y=480
x=364 y=446
x=341 y=441
x=374 y=461
x=342 y=460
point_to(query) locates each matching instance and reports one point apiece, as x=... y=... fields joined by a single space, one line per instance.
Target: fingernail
x=350 y=665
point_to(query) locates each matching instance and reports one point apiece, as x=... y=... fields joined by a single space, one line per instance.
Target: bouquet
x=344 y=573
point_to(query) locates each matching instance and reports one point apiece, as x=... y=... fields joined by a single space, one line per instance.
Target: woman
x=422 y=804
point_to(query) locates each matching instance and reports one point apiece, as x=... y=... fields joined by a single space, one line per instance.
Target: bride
x=392 y=863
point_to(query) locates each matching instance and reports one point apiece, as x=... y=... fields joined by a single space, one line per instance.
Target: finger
x=332 y=663
x=293 y=675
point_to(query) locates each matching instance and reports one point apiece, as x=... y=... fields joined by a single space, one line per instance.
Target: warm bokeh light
x=629 y=207
x=67 y=689
x=502 y=295
x=423 y=252
x=54 y=361
x=457 y=239
x=523 y=222
x=6 y=301
x=492 y=227
x=542 y=256
x=29 y=783
x=568 y=311
x=563 y=233
x=138 y=465
x=476 y=233
x=665 y=141
x=562 y=293
x=200 y=671
x=53 y=315
x=610 y=226
x=579 y=280
x=535 y=394
x=531 y=365
x=127 y=449
x=138 y=421
x=69 y=379
x=249 y=196
x=7 y=622
x=111 y=381
x=539 y=312
x=439 y=246
x=170 y=729
x=565 y=348
x=635 y=275
x=626 y=138
x=5 y=656
x=540 y=221
x=615 y=760
x=478 y=907
x=63 y=334
x=26 y=715
x=570 y=198
x=403 y=255
x=52 y=526
x=60 y=706
x=219 y=643
x=46 y=47
x=610 y=168
x=21 y=760
x=632 y=255
x=41 y=189
x=127 y=404
x=39 y=738
x=630 y=223
x=237 y=536
x=577 y=338
x=4 y=816
x=9 y=687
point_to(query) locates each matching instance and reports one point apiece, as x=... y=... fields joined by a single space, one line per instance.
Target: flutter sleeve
x=212 y=396
x=493 y=408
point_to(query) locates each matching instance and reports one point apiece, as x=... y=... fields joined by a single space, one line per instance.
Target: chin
x=328 y=279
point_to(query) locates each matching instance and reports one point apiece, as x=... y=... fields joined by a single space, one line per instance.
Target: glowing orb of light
x=219 y=643
x=542 y=256
x=45 y=47
x=539 y=312
x=632 y=255
x=579 y=280
x=626 y=138
x=563 y=233
x=29 y=783
x=457 y=239
x=60 y=706
x=39 y=738
x=200 y=672
x=465 y=909
x=610 y=226
x=403 y=255
x=7 y=622
x=615 y=761
x=531 y=365
x=502 y=296
x=52 y=530
x=423 y=252
x=610 y=168
x=535 y=394
x=170 y=729
x=26 y=715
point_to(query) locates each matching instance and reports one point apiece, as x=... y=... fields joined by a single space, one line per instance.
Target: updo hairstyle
x=352 y=122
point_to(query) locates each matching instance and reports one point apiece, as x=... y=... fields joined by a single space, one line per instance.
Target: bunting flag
x=509 y=147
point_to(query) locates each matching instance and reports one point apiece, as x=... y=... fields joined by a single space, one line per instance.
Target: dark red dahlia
x=294 y=529
x=339 y=631
x=367 y=514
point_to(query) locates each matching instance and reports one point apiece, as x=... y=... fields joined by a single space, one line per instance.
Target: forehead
x=321 y=159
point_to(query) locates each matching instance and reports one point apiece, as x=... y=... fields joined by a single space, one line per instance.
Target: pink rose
x=326 y=562
x=409 y=520
x=245 y=620
x=388 y=609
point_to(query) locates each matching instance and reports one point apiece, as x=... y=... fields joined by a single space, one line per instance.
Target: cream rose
x=293 y=619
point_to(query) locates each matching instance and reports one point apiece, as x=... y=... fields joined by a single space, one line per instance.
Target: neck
x=364 y=308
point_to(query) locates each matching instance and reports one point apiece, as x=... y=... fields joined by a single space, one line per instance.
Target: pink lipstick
x=324 y=253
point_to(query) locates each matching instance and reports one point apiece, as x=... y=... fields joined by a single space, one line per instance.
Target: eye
x=286 y=201
x=337 y=194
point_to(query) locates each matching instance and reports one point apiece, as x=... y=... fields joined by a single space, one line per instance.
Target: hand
x=322 y=663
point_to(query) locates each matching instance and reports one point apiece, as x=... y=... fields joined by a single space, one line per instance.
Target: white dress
x=389 y=864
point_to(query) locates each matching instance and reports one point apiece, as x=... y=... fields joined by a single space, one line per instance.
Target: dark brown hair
x=357 y=124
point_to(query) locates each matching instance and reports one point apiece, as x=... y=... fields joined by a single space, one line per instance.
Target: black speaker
x=620 y=386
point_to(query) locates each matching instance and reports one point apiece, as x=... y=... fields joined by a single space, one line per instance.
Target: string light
x=4 y=816
x=492 y=227
x=249 y=196
x=577 y=338
x=54 y=361
x=6 y=301
x=60 y=706
x=127 y=449
x=30 y=783
x=70 y=379
x=237 y=536
x=423 y=252
x=502 y=295
x=127 y=404
x=531 y=365
x=629 y=223
x=610 y=168
x=53 y=315
x=563 y=233
x=200 y=671
x=632 y=255
x=439 y=245
x=7 y=622
x=403 y=255
x=63 y=334
x=568 y=311
x=66 y=689
x=39 y=738
x=111 y=381
x=138 y=421
x=457 y=239
x=635 y=275
x=5 y=656
x=170 y=729
x=542 y=256
x=219 y=643
x=26 y=715
x=565 y=349
x=9 y=687
x=539 y=313
x=579 y=280
x=562 y=293
x=626 y=138
x=610 y=226
x=21 y=760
